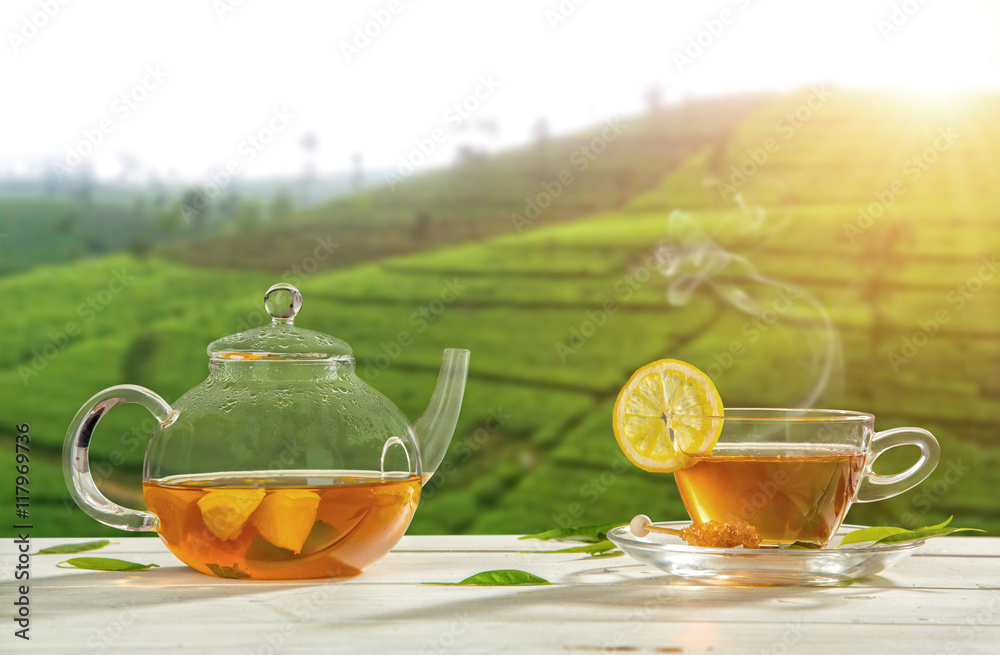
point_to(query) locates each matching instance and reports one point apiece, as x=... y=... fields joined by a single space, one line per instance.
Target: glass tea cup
x=794 y=473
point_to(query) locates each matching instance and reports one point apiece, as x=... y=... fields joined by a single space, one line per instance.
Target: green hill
x=821 y=301
x=41 y=230
x=474 y=200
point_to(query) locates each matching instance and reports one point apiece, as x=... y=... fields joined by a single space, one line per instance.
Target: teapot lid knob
x=280 y=340
x=283 y=301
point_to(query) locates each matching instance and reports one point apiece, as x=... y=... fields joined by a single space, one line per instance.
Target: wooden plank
x=419 y=566
x=460 y=634
x=616 y=601
x=405 y=569
x=946 y=599
x=957 y=545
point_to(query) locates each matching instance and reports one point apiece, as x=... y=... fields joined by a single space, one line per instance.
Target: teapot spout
x=435 y=428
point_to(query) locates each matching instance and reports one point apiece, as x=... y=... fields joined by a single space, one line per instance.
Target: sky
x=191 y=89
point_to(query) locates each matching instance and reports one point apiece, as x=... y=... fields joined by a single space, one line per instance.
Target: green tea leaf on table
x=593 y=549
x=894 y=535
x=800 y=545
x=925 y=533
x=498 y=578
x=613 y=553
x=105 y=564
x=66 y=549
x=942 y=524
x=588 y=533
x=228 y=572
x=870 y=534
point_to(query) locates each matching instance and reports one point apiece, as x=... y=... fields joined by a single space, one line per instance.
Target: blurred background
x=800 y=200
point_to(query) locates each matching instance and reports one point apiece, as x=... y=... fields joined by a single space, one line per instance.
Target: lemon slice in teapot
x=285 y=518
x=226 y=511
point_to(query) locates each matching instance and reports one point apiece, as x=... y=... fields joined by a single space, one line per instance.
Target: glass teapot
x=283 y=463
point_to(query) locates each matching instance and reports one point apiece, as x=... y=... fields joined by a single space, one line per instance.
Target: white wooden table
x=945 y=599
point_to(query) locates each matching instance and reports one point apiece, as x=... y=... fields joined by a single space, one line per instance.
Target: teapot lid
x=281 y=340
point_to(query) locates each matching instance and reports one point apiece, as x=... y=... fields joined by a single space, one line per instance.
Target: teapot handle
x=76 y=459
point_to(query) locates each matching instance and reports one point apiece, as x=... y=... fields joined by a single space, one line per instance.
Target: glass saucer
x=764 y=566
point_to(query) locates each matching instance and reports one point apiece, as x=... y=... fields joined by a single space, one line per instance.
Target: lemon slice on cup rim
x=666 y=413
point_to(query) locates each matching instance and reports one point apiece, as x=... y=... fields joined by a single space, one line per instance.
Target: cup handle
x=76 y=459
x=879 y=487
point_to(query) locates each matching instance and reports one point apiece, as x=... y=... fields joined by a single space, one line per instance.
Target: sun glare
x=940 y=53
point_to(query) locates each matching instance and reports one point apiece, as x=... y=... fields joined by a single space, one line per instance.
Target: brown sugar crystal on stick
x=711 y=534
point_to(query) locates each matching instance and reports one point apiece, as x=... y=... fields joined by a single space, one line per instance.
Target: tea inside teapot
x=287 y=524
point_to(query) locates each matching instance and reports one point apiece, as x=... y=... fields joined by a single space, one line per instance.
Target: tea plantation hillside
x=826 y=271
x=35 y=231
x=579 y=174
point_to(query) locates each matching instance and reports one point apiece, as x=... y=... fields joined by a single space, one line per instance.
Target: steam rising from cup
x=693 y=258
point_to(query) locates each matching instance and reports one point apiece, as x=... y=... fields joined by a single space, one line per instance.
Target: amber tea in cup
x=794 y=473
